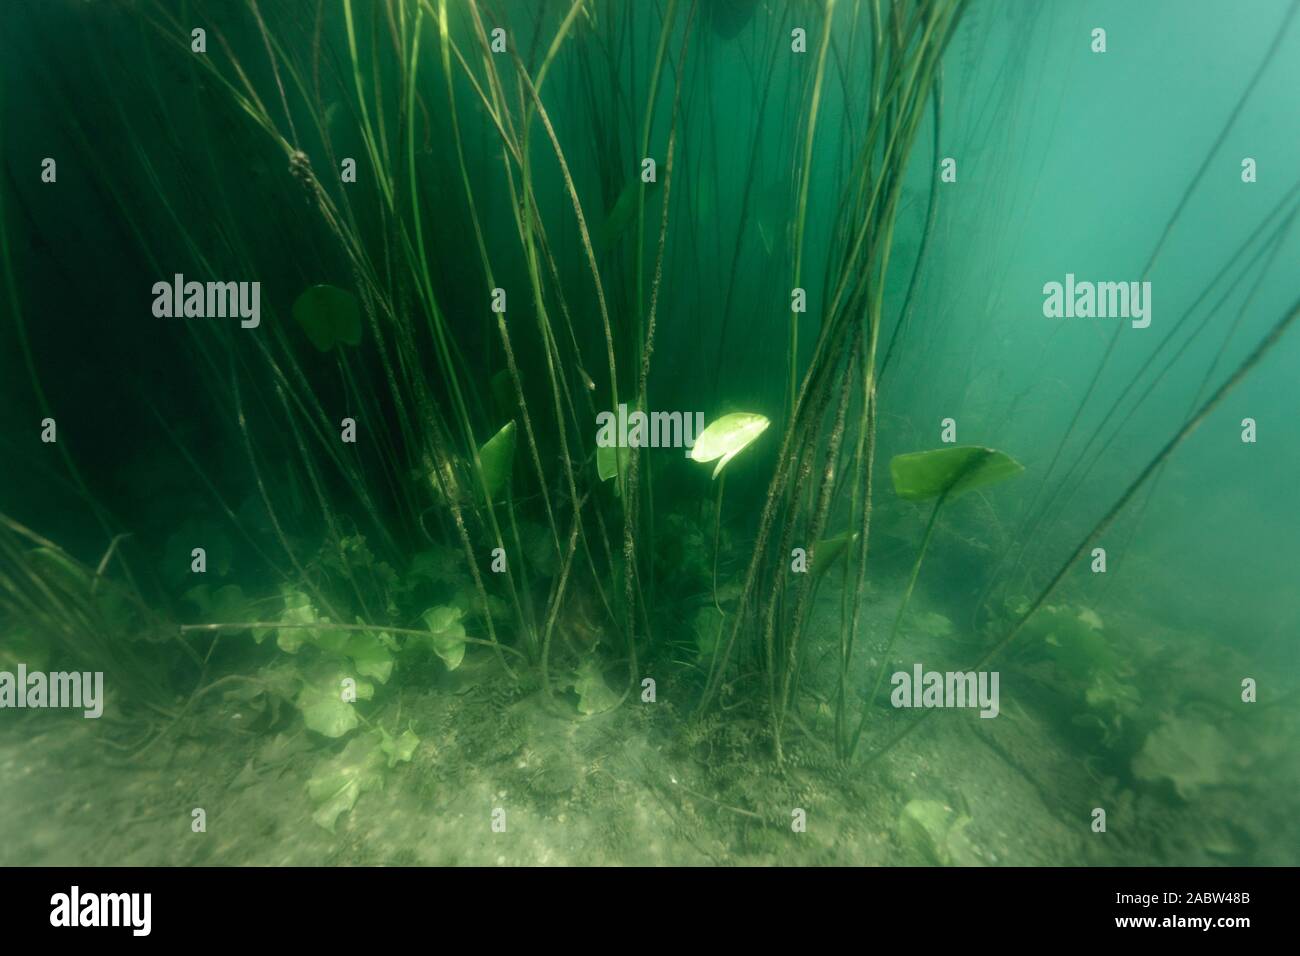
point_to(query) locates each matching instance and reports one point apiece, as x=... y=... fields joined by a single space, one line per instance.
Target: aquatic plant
x=942 y=474
x=497 y=459
x=723 y=440
x=934 y=831
x=329 y=316
x=336 y=784
x=498 y=241
x=1090 y=672
x=726 y=437
x=55 y=610
x=1191 y=755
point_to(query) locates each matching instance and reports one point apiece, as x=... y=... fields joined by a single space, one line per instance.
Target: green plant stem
x=717 y=534
x=898 y=620
x=331 y=626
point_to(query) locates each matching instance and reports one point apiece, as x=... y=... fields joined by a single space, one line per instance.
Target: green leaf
x=498 y=457
x=297 y=610
x=370 y=654
x=438 y=565
x=369 y=651
x=934 y=830
x=336 y=784
x=594 y=694
x=328 y=315
x=952 y=471
x=830 y=550
x=222 y=605
x=398 y=749
x=610 y=461
x=323 y=706
x=1190 y=754
x=726 y=437
x=1075 y=641
x=446 y=634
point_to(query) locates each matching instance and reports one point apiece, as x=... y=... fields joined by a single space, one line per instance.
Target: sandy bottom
x=640 y=785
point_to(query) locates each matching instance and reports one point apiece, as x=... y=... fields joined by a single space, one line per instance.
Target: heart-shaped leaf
x=951 y=471
x=726 y=437
x=328 y=315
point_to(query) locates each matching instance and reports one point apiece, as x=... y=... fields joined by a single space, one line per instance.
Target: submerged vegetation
x=477 y=226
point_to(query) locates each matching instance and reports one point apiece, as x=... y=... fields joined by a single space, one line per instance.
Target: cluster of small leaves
x=324 y=670
x=1087 y=668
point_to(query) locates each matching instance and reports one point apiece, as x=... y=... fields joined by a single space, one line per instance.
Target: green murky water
x=674 y=432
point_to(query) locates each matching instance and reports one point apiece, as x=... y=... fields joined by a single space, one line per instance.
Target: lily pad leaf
x=336 y=784
x=951 y=471
x=726 y=437
x=447 y=634
x=498 y=457
x=328 y=315
x=594 y=694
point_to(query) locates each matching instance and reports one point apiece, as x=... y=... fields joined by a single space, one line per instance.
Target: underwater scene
x=649 y=433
